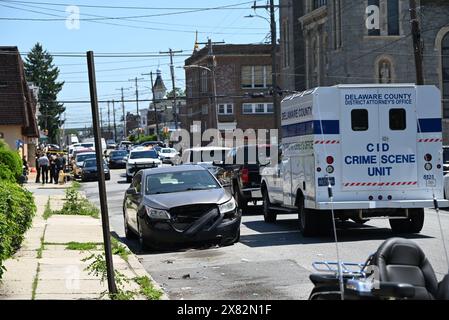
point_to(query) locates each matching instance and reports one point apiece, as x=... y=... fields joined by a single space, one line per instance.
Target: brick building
x=328 y=42
x=242 y=71
x=18 y=104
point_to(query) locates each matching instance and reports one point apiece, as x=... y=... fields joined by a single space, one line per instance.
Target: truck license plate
x=324 y=181
x=431 y=183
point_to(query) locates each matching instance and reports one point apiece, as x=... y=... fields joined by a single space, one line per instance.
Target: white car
x=141 y=158
x=168 y=155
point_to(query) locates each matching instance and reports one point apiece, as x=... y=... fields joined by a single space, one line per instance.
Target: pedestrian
x=44 y=163
x=60 y=164
x=52 y=159
x=38 y=169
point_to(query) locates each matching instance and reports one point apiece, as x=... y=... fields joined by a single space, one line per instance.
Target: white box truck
x=363 y=151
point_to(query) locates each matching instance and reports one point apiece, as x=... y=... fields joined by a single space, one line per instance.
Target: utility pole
x=213 y=66
x=172 y=71
x=156 y=118
x=136 y=80
x=101 y=179
x=277 y=110
x=123 y=111
x=101 y=121
x=109 y=119
x=115 y=126
x=417 y=45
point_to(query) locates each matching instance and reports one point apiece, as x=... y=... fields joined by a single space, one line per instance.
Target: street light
x=214 y=87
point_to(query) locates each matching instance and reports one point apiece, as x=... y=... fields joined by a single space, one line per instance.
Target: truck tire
x=308 y=221
x=241 y=202
x=269 y=215
x=413 y=224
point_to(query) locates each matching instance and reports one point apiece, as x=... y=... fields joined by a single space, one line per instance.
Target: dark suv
x=242 y=165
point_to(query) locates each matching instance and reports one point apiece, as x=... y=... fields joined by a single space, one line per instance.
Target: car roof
x=84 y=153
x=208 y=149
x=141 y=148
x=180 y=168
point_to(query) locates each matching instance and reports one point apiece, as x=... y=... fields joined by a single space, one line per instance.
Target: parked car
x=53 y=147
x=140 y=158
x=125 y=145
x=89 y=170
x=152 y=144
x=168 y=155
x=110 y=144
x=117 y=159
x=77 y=163
x=178 y=205
x=242 y=166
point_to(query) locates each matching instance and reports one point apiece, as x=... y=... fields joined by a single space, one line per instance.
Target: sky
x=139 y=27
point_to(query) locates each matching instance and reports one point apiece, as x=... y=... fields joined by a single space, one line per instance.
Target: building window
x=319 y=3
x=225 y=108
x=257 y=108
x=286 y=42
x=393 y=17
x=337 y=25
x=445 y=73
x=384 y=71
x=205 y=109
x=256 y=76
x=204 y=79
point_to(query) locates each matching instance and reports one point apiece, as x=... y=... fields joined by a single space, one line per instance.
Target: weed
x=147 y=289
x=119 y=249
x=47 y=212
x=35 y=282
x=81 y=246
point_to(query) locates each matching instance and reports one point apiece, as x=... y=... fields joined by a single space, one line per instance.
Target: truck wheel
x=413 y=224
x=241 y=202
x=308 y=221
x=269 y=215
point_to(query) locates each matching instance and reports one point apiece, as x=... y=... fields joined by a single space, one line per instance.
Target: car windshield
x=180 y=182
x=87 y=145
x=445 y=155
x=82 y=157
x=90 y=163
x=143 y=154
x=118 y=154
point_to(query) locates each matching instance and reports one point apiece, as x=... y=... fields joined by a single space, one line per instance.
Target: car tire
x=241 y=202
x=142 y=245
x=232 y=241
x=128 y=233
x=269 y=215
x=128 y=179
x=413 y=224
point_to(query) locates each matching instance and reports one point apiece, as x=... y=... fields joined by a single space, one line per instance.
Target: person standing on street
x=44 y=163
x=52 y=159
x=38 y=169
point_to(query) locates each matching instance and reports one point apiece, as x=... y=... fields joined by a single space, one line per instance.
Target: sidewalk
x=44 y=267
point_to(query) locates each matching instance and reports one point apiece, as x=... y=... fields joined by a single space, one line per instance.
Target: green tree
x=40 y=70
x=179 y=93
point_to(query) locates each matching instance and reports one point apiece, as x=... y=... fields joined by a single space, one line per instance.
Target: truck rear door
x=360 y=144
x=398 y=133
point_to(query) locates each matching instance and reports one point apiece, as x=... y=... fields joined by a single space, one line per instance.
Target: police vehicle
x=359 y=152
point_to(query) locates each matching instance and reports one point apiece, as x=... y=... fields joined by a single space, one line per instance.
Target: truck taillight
x=428 y=157
x=330 y=160
x=244 y=175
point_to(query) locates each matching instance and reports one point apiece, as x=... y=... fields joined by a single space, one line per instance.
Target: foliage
x=119 y=249
x=142 y=139
x=147 y=289
x=47 y=211
x=10 y=163
x=17 y=209
x=76 y=204
x=98 y=268
x=41 y=71
x=179 y=93
x=81 y=246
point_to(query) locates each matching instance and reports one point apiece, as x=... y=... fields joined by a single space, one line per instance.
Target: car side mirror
x=131 y=191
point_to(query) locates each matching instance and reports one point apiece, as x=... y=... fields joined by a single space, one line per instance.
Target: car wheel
x=269 y=215
x=241 y=202
x=128 y=179
x=413 y=224
x=128 y=233
x=232 y=241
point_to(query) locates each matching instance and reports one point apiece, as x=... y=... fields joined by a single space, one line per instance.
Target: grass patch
x=76 y=204
x=42 y=247
x=119 y=249
x=81 y=246
x=35 y=282
x=147 y=288
x=47 y=212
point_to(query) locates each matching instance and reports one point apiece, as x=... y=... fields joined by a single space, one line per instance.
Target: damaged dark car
x=182 y=205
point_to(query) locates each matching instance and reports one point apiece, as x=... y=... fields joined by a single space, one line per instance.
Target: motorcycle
x=398 y=270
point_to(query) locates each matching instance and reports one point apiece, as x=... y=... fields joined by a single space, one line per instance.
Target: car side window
x=137 y=182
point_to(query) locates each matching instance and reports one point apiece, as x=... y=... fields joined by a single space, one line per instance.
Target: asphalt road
x=270 y=262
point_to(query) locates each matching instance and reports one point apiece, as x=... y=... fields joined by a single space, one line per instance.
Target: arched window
x=445 y=72
x=384 y=70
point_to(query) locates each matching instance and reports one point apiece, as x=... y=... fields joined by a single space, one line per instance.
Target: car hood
x=171 y=200
x=143 y=161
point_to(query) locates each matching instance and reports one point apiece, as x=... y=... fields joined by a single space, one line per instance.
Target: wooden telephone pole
x=417 y=44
